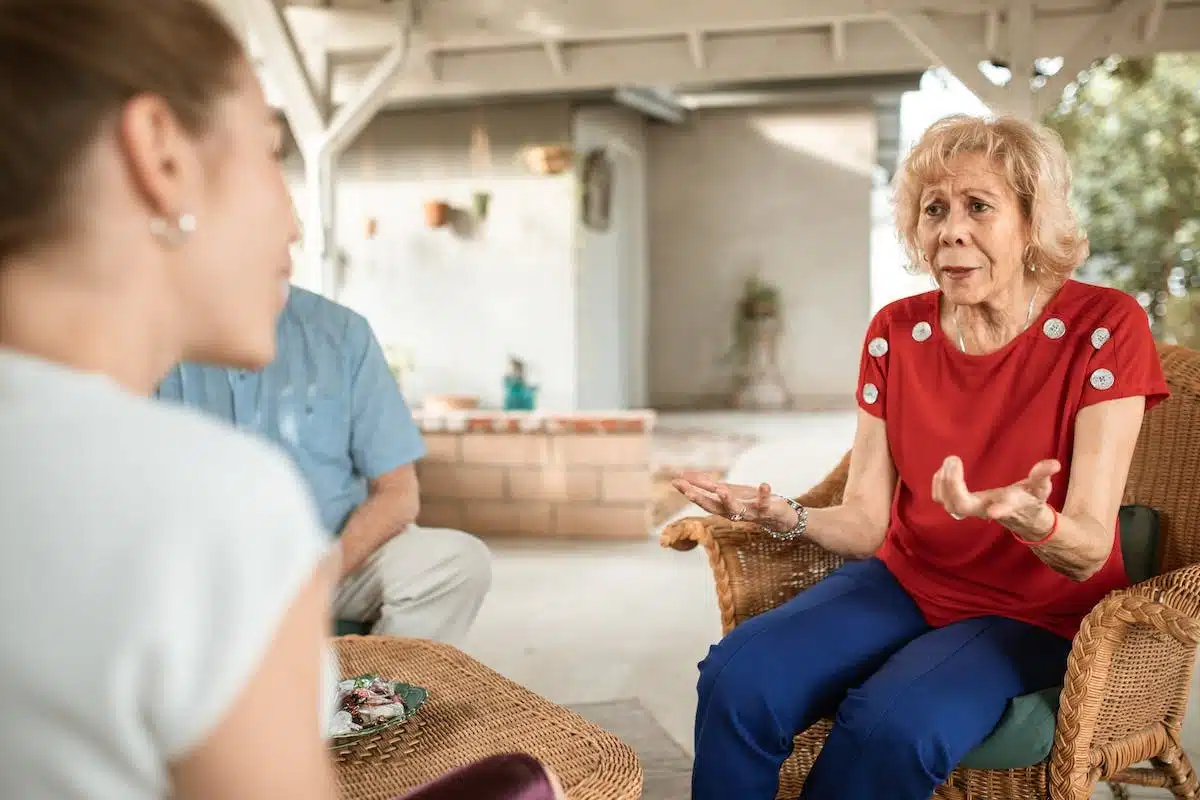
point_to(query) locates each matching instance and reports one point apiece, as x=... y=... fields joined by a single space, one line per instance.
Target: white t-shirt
x=147 y=557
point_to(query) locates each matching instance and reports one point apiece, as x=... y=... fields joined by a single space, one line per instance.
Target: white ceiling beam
x=358 y=32
x=1104 y=37
x=932 y=40
x=266 y=25
x=651 y=104
x=449 y=22
x=991 y=31
x=554 y=52
x=344 y=30
x=837 y=41
x=696 y=49
x=875 y=48
x=371 y=95
x=1153 y=21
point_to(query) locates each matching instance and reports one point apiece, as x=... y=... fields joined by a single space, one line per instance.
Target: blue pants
x=908 y=700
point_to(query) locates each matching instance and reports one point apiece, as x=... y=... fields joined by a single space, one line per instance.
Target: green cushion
x=1026 y=731
x=1024 y=735
x=349 y=627
x=1139 y=542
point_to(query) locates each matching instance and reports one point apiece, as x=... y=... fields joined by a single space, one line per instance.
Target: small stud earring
x=173 y=235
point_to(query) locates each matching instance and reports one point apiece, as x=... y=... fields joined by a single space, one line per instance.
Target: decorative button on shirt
x=878 y=347
x=1000 y=412
x=1102 y=379
x=1099 y=337
x=1055 y=328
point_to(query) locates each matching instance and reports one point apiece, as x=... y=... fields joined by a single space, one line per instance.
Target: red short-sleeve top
x=1001 y=413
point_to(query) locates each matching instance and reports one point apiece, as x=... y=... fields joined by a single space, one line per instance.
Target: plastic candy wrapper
x=365 y=702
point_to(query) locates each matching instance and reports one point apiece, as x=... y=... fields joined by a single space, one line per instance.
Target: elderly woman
x=998 y=417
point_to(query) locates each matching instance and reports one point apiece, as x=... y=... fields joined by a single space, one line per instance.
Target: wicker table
x=473 y=712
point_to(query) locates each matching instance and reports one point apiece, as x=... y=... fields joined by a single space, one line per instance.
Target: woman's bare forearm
x=1079 y=548
x=855 y=528
x=844 y=529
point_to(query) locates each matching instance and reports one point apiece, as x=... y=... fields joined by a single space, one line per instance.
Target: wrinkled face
x=232 y=272
x=972 y=232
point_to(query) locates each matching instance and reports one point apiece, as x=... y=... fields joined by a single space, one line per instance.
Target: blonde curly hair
x=1033 y=162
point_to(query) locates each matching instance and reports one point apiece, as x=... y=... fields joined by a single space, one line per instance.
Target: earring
x=173 y=235
x=1027 y=258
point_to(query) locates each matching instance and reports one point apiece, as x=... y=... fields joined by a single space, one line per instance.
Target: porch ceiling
x=461 y=49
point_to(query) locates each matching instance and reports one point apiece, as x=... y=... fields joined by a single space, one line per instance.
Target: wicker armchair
x=1130 y=669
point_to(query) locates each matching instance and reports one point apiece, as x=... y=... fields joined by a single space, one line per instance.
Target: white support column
x=320 y=70
x=350 y=119
x=928 y=37
x=265 y=22
x=320 y=220
x=322 y=144
x=1093 y=44
x=1019 y=91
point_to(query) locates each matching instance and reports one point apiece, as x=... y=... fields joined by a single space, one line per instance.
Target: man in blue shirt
x=331 y=402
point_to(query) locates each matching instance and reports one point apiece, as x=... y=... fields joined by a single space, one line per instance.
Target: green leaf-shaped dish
x=413 y=698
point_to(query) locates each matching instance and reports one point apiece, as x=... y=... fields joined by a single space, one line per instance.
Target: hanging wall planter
x=596 y=186
x=480 y=202
x=436 y=213
x=548 y=159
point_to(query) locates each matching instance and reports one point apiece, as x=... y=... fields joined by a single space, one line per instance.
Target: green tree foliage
x=1132 y=128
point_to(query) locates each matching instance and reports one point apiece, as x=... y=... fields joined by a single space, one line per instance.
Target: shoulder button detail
x=1054 y=328
x=870 y=393
x=1102 y=379
x=878 y=347
x=1099 y=337
x=921 y=331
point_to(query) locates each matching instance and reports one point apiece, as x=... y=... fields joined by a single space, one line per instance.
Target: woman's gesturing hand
x=737 y=502
x=1020 y=507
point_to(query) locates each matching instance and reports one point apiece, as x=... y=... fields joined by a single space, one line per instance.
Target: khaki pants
x=425 y=583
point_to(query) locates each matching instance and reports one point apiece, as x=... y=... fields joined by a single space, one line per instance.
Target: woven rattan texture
x=1130 y=670
x=395 y=742
x=474 y=712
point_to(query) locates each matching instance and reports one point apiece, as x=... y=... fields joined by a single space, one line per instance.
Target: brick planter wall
x=531 y=474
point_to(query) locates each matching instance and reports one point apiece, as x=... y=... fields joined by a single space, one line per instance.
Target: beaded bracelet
x=797 y=531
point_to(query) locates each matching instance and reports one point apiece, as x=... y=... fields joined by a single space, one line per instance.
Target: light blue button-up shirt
x=328 y=399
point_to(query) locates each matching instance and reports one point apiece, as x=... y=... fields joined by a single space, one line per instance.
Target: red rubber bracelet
x=1051 y=532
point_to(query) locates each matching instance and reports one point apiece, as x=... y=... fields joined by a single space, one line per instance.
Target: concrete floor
x=591 y=622
x=587 y=622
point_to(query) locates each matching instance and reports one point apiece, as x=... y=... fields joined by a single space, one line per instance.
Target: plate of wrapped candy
x=368 y=704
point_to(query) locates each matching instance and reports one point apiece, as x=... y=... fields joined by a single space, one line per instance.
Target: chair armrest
x=1129 y=675
x=753 y=571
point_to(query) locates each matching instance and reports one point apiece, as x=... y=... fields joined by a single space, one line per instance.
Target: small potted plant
x=436 y=213
x=757 y=325
x=757 y=308
x=481 y=165
x=519 y=394
x=480 y=201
